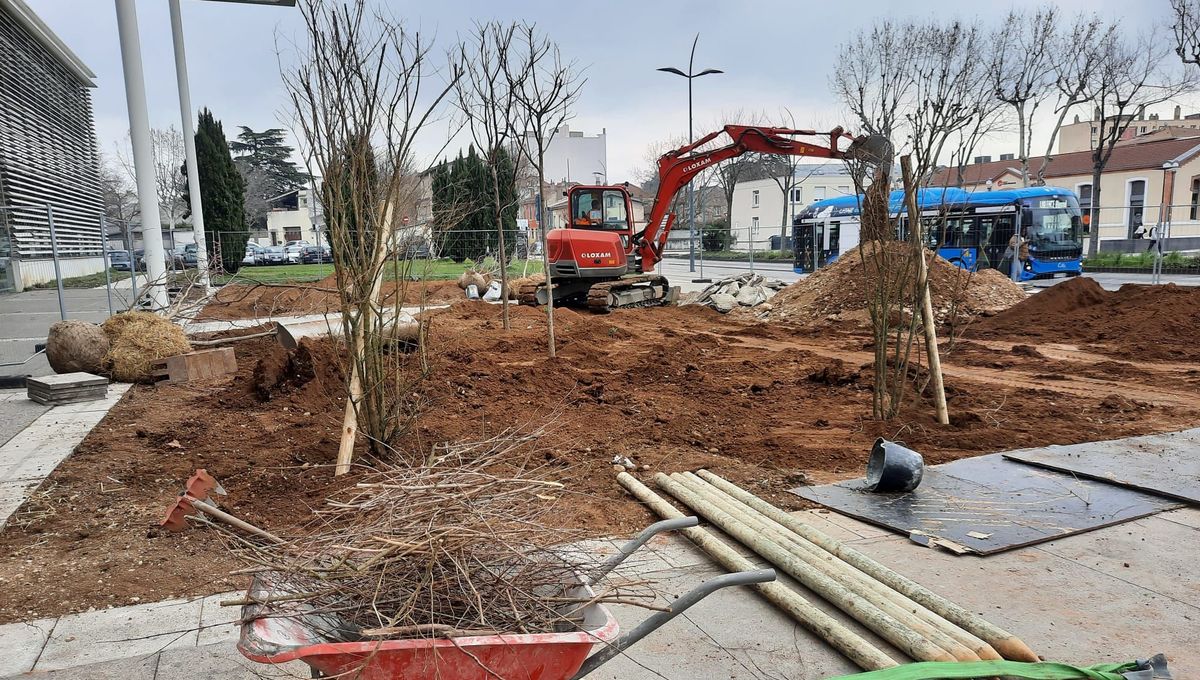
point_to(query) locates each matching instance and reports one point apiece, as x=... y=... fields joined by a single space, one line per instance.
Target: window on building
x=818 y=193
x=1094 y=130
x=797 y=195
x=1137 y=201
x=1195 y=210
x=754 y=224
x=754 y=199
x=844 y=190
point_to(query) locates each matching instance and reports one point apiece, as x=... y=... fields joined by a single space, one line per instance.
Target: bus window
x=833 y=247
x=994 y=232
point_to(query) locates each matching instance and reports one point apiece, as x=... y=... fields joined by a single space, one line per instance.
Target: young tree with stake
x=488 y=97
x=545 y=95
x=360 y=98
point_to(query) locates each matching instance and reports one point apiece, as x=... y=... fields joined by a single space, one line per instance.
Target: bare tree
x=118 y=193
x=873 y=76
x=360 y=98
x=545 y=95
x=488 y=95
x=170 y=184
x=1132 y=74
x=1022 y=69
x=1186 y=27
x=952 y=97
x=1077 y=54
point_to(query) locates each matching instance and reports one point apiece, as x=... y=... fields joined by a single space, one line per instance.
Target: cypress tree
x=222 y=192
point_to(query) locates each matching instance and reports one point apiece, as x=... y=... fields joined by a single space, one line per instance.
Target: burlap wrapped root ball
x=137 y=340
x=473 y=278
x=73 y=346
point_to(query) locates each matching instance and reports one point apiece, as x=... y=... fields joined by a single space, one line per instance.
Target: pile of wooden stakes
x=919 y=622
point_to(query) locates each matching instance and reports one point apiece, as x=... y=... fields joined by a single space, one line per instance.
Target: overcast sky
x=775 y=54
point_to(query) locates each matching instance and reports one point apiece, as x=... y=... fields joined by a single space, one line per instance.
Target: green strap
x=950 y=670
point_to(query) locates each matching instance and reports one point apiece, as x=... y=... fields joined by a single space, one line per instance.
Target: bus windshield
x=1053 y=222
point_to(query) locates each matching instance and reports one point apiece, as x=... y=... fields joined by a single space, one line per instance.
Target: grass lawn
x=422 y=269
x=87 y=280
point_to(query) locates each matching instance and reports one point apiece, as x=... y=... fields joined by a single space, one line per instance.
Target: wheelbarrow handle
x=741 y=578
x=638 y=541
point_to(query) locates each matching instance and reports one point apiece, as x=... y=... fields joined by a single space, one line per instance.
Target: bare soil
x=769 y=405
x=1137 y=321
x=261 y=301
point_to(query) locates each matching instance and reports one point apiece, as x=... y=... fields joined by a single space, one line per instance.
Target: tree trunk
x=541 y=217
x=1094 y=236
x=503 y=255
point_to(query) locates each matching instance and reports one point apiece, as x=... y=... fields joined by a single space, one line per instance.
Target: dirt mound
x=1145 y=322
x=841 y=290
x=253 y=301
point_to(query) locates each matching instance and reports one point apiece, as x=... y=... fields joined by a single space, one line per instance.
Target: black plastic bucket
x=892 y=467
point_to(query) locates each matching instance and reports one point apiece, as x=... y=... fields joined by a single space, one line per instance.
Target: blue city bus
x=970 y=229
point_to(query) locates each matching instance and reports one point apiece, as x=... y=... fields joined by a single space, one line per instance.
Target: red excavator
x=598 y=260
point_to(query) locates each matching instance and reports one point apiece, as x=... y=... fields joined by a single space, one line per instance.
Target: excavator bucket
x=873 y=149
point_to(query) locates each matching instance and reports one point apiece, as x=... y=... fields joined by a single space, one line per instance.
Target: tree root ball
x=73 y=346
x=472 y=278
x=138 y=340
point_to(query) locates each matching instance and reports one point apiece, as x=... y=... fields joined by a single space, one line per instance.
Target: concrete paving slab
x=1147 y=550
x=21 y=644
x=1065 y=611
x=1189 y=517
x=823 y=522
x=93 y=637
x=857 y=527
x=217 y=622
x=16 y=413
x=221 y=661
x=135 y=668
x=13 y=495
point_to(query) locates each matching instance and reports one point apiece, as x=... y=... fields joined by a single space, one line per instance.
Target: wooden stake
x=927 y=320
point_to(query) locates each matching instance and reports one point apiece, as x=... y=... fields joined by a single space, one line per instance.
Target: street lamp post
x=143 y=157
x=691 y=75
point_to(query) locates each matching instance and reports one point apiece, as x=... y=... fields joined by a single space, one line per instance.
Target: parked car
x=175 y=257
x=292 y=249
x=254 y=255
x=316 y=254
x=189 y=255
x=274 y=255
x=119 y=260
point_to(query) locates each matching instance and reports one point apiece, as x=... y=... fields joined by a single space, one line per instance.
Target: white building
x=294 y=216
x=762 y=214
x=575 y=157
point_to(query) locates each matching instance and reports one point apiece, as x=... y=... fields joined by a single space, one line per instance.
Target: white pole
x=143 y=158
x=189 y=146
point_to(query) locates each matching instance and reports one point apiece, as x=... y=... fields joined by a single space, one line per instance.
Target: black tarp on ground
x=1162 y=464
x=990 y=504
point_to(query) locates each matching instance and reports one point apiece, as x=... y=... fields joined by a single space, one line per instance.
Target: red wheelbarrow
x=544 y=656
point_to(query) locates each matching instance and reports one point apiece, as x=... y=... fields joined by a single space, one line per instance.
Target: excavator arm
x=677 y=168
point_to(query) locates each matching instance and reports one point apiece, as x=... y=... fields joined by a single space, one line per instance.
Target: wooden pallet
x=198 y=365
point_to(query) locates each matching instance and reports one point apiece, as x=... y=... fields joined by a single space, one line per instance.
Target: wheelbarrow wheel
x=316 y=673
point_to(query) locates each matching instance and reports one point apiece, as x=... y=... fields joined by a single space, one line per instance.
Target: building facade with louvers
x=49 y=161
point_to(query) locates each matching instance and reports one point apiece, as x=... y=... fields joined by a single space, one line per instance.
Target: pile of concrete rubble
x=743 y=290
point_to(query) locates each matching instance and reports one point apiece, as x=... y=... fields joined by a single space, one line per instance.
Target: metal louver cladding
x=48 y=153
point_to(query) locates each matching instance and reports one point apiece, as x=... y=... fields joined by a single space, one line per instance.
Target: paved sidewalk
x=32 y=453
x=1109 y=595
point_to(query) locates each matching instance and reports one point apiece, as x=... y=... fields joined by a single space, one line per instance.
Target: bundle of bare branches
x=458 y=546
